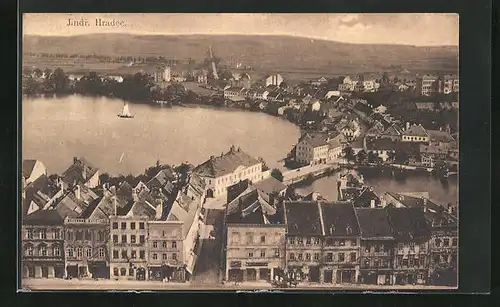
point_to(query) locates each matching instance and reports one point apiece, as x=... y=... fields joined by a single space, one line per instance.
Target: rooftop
x=79 y=172
x=270 y=185
x=374 y=223
x=28 y=166
x=408 y=224
x=303 y=218
x=44 y=217
x=416 y=130
x=339 y=219
x=440 y=136
x=253 y=207
x=225 y=164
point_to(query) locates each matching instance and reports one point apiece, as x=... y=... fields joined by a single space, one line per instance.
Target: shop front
x=41 y=269
x=375 y=277
x=239 y=271
x=98 y=269
x=411 y=278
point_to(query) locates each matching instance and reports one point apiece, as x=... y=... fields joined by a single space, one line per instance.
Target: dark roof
x=90 y=209
x=430 y=149
x=236 y=189
x=80 y=172
x=339 y=219
x=374 y=223
x=28 y=166
x=40 y=191
x=303 y=218
x=44 y=217
x=408 y=224
x=416 y=130
x=160 y=179
x=440 y=136
x=315 y=140
x=270 y=185
x=253 y=207
x=361 y=198
x=416 y=202
x=225 y=164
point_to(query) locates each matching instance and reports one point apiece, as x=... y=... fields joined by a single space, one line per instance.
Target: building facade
x=275 y=79
x=86 y=246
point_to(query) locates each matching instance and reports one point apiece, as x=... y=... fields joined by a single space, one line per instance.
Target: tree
x=349 y=153
x=37 y=73
x=264 y=164
x=27 y=71
x=57 y=82
x=183 y=171
x=104 y=177
x=277 y=174
x=175 y=93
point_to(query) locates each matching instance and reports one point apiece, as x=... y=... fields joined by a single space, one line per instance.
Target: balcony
x=85 y=221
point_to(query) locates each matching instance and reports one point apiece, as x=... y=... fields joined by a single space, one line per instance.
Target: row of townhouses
x=73 y=227
x=404 y=240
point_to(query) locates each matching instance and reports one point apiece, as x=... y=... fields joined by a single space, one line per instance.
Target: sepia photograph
x=239 y=151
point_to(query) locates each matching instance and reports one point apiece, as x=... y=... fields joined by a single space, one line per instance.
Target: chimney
x=372 y=203
x=61 y=186
x=407 y=125
x=75 y=160
x=134 y=195
x=114 y=205
x=78 y=192
x=212 y=158
x=159 y=209
x=84 y=172
x=450 y=209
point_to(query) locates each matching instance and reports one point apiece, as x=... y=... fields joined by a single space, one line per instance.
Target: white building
x=227 y=169
x=275 y=79
x=415 y=133
x=163 y=74
x=318 y=148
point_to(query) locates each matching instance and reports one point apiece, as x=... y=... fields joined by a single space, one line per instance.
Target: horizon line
x=238 y=34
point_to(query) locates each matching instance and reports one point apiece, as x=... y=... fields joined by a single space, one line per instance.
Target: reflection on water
x=56 y=130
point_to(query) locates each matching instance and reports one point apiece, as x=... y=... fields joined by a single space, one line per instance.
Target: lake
x=54 y=130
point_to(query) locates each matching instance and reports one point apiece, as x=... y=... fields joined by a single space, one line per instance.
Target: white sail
x=126 y=111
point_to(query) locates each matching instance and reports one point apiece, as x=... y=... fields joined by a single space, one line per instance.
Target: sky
x=422 y=29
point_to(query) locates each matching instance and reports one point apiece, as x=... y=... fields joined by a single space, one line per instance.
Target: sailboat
x=125 y=112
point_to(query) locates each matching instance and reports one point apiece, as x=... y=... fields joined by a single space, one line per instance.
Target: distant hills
x=286 y=54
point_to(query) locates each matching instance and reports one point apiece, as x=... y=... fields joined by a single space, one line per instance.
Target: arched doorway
x=141 y=274
x=210 y=193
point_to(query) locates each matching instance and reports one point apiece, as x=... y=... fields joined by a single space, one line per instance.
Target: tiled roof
x=252 y=207
x=28 y=166
x=429 y=149
x=303 y=218
x=91 y=208
x=236 y=189
x=76 y=172
x=393 y=130
x=339 y=219
x=416 y=130
x=374 y=223
x=361 y=198
x=160 y=179
x=270 y=185
x=408 y=224
x=315 y=140
x=44 y=217
x=225 y=164
x=440 y=136
x=40 y=191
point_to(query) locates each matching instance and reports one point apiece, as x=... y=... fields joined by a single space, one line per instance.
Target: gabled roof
x=315 y=139
x=236 y=190
x=44 y=217
x=28 y=166
x=303 y=218
x=416 y=130
x=252 y=207
x=40 y=191
x=339 y=219
x=80 y=172
x=270 y=185
x=160 y=179
x=408 y=224
x=393 y=130
x=440 y=136
x=225 y=164
x=429 y=149
x=374 y=223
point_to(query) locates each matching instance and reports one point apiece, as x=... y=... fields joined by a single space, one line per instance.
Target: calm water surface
x=57 y=129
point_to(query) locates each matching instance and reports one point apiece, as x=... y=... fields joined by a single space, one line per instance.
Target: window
x=376 y=263
x=316 y=241
x=142 y=239
x=163 y=233
x=43 y=234
x=416 y=262
x=437 y=242
x=400 y=246
x=132 y=225
x=292 y=256
x=89 y=252
x=377 y=248
x=174 y=256
x=124 y=254
x=142 y=254
x=115 y=238
x=446 y=242
x=405 y=262
x=123 y=271
x=411 y=262
x=164 y=244
x=124 y=225
x=412 y=246
x=291 y=241
x=133 y=254
x=250 y=254
x=329 y=257
x=70 y=252
x=263 y=254
x=341 y=257
x=342 y=242
x=30 y=233
x=115 y=226
x=276 y=253
x=308 y=241
x=249 y=238
x=164 y=256
x=262 y=239
x=300 y=256
x=101 y=252
x=155 y=256
x=115 y=254
x=141 y=225
x=124 y=238
x=155 y=244
x=299 y=241
x=56 y=234
x=454 y=242
x=308 y=257
x=353 y=257
x=353 y=243
x=88 y=235
x=131 y=272
x=79 y=253
x=316 y=256
x=132 y=238
x=29 y=250
x=174 y=244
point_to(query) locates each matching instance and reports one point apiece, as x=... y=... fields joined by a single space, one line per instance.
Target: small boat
x=125 y=112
